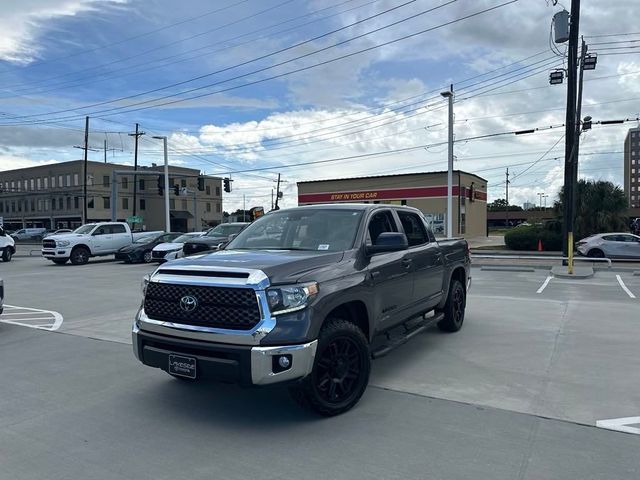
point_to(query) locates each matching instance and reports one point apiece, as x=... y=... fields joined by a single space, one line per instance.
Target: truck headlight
x=62 y=243
x=145 y=282
x=291 y=298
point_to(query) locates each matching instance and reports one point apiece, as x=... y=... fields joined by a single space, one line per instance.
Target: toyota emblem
x=188 y=303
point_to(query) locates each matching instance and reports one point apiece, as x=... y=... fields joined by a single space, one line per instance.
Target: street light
x=449 y=95
x=167 y=218
x=540 y=194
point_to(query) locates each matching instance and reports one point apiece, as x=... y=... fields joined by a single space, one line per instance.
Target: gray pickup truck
x=305 y=296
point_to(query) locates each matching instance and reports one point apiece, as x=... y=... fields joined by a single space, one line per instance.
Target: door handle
x=406 y=262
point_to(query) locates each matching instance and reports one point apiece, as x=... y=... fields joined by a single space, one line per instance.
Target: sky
x=314 y=89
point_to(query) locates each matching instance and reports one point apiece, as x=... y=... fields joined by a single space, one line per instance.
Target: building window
x=403 y=202
x=19 y=205
x=1 y=207
x=45 y=181
x=39 y=183
x=40 y=205
x=143 y=204
x=60 y=203
x=633 y=153
x=53 y=182
x=68 y=180
x=207 y=190
x=106 y=202
x=19 y=185
x=633 y=170
x=633 y=189
x=125 y=203
x=217 y=191
x=46 y=205
x=141 y=184
x=25 y=185
x=172 y=204
x=53 y=204
x=105 y=181
x=218 y=207
x=184 y=204
x=76 y=202
x=33 y=205
x=125 y=183
x=13 y=207
x=90 y=202
x=60 y=184
x=183 y=183
x=76 y=179
x=208 y=207
x=13 y=185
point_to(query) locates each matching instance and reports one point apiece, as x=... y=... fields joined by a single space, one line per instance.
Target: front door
x=628 y=246
x=389 y=275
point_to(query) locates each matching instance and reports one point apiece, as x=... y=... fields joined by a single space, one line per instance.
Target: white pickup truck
x=90 y=240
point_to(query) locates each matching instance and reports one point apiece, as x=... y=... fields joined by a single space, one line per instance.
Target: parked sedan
x=140 y=250
x=213 y=238
x=610 y=245
x=164 y=252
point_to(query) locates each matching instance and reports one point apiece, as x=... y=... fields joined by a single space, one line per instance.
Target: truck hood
x=281 y=266
x=66 y=236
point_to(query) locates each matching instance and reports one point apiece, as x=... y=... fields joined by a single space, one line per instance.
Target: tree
x=500 y=205
x=600 y=207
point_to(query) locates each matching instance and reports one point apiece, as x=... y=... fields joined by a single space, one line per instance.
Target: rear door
x=426 y=260
x=120 y=237
x=389 y=274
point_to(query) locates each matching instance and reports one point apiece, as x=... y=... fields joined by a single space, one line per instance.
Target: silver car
x=610 y=245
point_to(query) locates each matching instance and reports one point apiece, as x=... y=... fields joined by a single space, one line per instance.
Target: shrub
x=526 y=238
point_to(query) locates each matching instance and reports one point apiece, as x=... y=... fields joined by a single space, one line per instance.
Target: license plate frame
x=182 y=365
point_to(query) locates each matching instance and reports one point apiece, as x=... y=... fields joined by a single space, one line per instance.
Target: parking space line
x=624 y=287
x=37 y=315
x=544 y=285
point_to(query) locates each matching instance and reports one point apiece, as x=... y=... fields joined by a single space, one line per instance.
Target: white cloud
x=11 y=162
x=21 y=22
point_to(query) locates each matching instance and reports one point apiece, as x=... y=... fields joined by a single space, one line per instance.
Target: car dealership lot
x=462 y=405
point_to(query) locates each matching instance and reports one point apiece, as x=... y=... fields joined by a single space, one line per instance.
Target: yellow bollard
x=570 y=251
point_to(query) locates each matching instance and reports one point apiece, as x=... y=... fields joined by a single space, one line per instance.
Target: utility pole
x=272 y=199
x=84 y=184
x=507 y=195
x=244 y=207
x=137 y=135
x=167 y=219
x=105 y=150
x=570 y=131
x=449 y=95
x=277 y=193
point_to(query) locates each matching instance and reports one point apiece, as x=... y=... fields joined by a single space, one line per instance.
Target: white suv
x=7 y=246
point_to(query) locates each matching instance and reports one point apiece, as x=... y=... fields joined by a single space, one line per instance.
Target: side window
x=413 y=228
x=381 y=222
x=101 y=231
x=628 y=238
x=118 y=228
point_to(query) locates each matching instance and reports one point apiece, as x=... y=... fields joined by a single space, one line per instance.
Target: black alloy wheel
x=338 y=370
x=454 y=308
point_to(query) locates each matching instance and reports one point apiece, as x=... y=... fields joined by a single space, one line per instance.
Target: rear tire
x=454 y=308
x=340 y=372
x=595 y=253
x=80 y=256
x=7 y=253
x=59 y=261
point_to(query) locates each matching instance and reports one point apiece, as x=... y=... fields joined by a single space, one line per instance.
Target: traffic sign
x=134 y=219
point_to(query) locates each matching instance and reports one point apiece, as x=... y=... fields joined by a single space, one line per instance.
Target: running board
x=407 y=335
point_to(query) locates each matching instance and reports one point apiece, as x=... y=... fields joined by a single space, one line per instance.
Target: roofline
x=391 y=176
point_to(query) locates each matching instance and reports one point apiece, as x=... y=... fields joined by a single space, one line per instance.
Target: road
x=515 y=394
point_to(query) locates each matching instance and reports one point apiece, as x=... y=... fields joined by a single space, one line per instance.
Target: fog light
x=284 y=362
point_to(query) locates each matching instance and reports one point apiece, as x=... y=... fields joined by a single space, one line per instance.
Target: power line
x=405 y=37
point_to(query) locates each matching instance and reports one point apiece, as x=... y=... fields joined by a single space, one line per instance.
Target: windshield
x=183 y=238
x=85 y=228
x=309 y=229
x=224 y=230
x=148 y=238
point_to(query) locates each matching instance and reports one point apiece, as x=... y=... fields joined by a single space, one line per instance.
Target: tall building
x=51 y=196
x=632 y=167
x=528 y=205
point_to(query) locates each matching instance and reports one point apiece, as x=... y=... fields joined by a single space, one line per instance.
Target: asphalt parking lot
x=517 y=393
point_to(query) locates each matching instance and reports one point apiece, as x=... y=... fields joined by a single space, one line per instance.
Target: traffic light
x=201 y=183
x=227 y=185
x=160 y=184
x=176 y=189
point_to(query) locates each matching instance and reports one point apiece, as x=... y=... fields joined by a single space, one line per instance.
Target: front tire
x=7 y=254
x=454 y=308
x=147 y=257
x=80 y=256
x=340 y=370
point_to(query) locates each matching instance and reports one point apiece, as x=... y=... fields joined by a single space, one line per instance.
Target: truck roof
x=351 y=206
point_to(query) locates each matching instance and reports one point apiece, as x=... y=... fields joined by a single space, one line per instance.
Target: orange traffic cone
x=539 y=245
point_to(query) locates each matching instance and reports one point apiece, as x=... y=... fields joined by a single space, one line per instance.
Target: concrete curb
x=579 y=273
x=506 y=268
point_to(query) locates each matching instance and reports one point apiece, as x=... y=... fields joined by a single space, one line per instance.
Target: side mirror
x=388 y=242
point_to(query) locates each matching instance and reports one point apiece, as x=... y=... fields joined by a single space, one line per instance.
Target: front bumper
x=60 y=252
x=243 y=364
